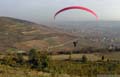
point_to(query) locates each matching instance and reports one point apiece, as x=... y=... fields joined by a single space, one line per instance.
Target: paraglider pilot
x=75 y=43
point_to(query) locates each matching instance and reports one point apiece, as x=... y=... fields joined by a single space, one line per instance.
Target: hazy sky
x=42 y=11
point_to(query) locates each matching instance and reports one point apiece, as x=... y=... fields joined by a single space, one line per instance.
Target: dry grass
x=7 y=71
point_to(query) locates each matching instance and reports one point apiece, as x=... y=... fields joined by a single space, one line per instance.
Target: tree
x=38 y=60
x=84 y=59
x=43 y=61
x=32 y=54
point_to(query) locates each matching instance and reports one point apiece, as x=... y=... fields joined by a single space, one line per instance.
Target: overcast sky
x=42 y=11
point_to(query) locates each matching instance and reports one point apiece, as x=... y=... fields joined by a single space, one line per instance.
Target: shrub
x=84 y=59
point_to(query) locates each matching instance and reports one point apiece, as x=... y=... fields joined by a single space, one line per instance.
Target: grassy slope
x=20 y=34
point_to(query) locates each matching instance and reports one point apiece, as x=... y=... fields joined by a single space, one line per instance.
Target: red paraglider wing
x=76 y=7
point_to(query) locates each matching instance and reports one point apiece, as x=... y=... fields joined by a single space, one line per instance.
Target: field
x=60 y=66
x=111 y=55
x=91 y=57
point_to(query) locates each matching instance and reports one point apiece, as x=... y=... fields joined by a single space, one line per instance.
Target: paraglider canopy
x=76 y=7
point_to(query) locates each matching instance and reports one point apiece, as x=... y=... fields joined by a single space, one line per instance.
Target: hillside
x=23 y=35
